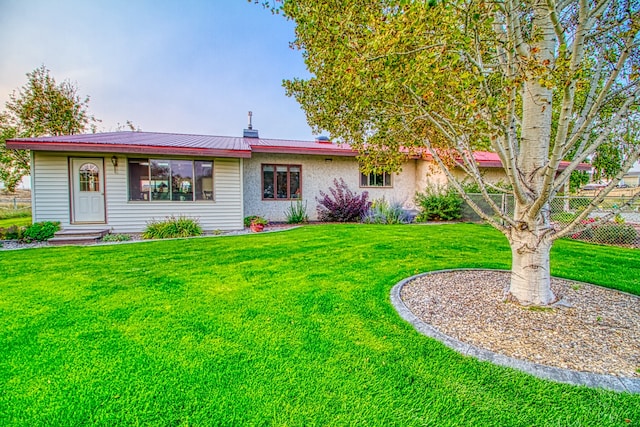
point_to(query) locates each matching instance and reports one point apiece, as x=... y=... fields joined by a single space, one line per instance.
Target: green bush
x=40 y=231
x=297 y=213
x=116 y=238
x=439 y=204
x=172 y=227
x=615 y=234
x=13 y=232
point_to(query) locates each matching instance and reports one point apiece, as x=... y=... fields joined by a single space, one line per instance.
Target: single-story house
x=121 y=180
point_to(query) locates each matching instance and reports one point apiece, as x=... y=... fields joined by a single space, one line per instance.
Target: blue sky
x=183 y=66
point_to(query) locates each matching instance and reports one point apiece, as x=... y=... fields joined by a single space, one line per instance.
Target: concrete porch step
x=77 y=237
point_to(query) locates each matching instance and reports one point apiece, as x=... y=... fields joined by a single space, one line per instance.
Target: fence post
x=15 y=204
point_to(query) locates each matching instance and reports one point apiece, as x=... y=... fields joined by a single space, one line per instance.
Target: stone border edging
x=567 y=376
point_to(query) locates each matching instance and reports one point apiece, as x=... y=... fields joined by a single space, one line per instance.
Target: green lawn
x=23 y=221
x=291 y=328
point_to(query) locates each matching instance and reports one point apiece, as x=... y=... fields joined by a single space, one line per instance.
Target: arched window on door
x=89 y=177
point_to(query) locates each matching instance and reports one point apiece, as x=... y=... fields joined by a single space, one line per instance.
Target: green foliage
x=577 y=180
x=297 y=213
x=439 y=204
x=41 y=107
x=116 y=238
x=40 y=231
x=13 y=232
x=383 y=212
x=472 y=187
x=172 y=227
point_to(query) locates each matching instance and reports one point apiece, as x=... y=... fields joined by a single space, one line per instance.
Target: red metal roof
x=139 y=142
x=205 y=145
x=488 y=159
x=262 y=145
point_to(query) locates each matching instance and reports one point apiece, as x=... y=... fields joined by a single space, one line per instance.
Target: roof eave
x=302 y=150
x=129 y=149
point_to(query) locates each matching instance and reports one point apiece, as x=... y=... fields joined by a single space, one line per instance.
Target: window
x=170 y=180
x=375 y=180
x=281 y=182
x=89 y=177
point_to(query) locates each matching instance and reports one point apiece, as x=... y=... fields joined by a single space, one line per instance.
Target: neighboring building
x=122 y=180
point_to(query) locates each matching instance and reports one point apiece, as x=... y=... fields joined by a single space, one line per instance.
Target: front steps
x=77 y=237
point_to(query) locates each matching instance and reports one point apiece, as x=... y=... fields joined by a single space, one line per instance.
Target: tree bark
x=530 y=272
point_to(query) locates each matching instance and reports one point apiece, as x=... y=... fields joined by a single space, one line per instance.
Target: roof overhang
x=330 y=150
x=125 y=148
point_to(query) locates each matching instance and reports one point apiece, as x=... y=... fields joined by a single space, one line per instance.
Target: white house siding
x=50 y=188
x=318 y=173
x=51 y=181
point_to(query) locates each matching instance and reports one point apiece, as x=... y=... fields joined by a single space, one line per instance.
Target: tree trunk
x=530 y=272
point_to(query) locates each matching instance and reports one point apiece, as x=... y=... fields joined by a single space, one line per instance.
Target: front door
x=87 y=180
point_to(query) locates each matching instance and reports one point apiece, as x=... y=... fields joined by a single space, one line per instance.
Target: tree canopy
x=41 y=107
x=536 y=81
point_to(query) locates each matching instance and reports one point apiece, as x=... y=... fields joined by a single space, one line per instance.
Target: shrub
x=342 y=205
x=172 y=227
x=616 y=234
x=297 y=214
x=40 y=231
x=116 y=238
x=439 y=204
x=13 y=232
x=383 y=212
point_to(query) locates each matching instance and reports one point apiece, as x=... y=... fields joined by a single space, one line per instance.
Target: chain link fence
x=613 y=222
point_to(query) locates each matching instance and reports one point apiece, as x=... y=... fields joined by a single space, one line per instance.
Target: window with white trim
x=375 y=179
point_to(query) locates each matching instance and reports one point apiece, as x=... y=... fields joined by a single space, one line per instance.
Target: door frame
x=100 y=162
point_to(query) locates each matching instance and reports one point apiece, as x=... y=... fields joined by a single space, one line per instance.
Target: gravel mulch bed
x=599 y=332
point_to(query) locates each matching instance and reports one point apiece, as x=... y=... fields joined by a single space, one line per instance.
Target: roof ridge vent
x=323 y=139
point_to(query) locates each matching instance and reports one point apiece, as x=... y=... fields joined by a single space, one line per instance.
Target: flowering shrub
x=342 y=205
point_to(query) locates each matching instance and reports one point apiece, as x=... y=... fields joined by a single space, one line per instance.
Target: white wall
x=318 y=173
x=51 y=201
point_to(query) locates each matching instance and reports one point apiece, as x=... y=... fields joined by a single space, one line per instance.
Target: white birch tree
x=536 y=81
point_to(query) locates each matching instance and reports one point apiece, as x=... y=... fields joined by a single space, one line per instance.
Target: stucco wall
x=318 y=173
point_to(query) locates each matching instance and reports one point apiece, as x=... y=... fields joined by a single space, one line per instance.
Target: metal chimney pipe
x=250 y=126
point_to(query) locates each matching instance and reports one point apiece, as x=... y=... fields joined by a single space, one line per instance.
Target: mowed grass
x=291 y=328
